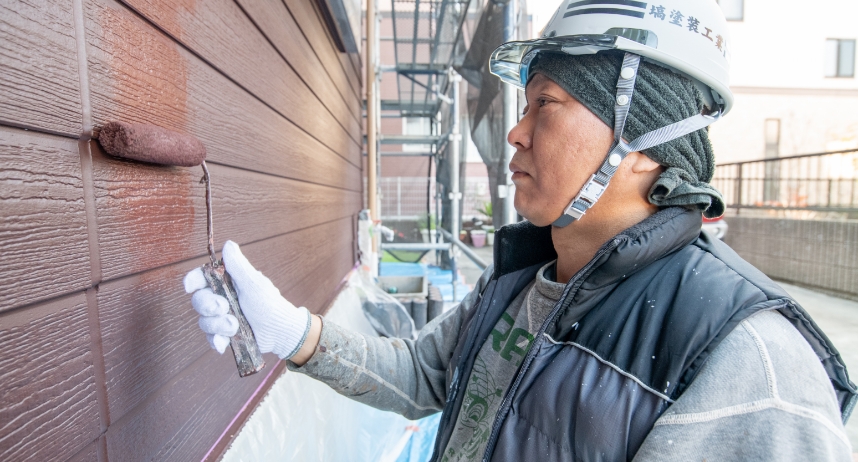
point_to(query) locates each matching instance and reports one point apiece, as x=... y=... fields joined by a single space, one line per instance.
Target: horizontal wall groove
x=84 y=138
x=285 y=177
x=277 y=50
x=42 y=301
x=43 y=131
x=204 y=254
x=348 y=69
x=118 y=423
x=107 y=359
x=236 y=83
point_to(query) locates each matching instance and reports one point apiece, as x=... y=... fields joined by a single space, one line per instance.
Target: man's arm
x=399 y=375
x=762 y=395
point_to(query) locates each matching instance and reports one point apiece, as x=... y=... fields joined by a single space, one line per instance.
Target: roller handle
x=248 y=358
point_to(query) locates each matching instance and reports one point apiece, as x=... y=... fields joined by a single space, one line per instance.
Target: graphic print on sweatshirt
x=494 y=367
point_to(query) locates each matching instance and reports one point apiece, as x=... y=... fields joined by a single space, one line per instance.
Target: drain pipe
x=371 y=128
x=455 y=141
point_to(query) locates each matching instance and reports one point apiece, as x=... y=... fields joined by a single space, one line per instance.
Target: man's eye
x=542 y=102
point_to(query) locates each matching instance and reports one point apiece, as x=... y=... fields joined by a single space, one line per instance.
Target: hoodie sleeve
x=392 y=374
x=762 y=395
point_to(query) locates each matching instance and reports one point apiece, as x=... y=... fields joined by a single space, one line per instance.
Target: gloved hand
x=279 y=327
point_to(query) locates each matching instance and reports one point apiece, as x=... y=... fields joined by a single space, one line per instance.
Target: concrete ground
x=837 y=317
x=469 y=269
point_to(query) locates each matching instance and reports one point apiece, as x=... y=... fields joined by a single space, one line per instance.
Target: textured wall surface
x=100 y=354
x=815 y=254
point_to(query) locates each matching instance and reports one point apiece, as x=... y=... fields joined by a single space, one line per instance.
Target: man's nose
x=521 y=136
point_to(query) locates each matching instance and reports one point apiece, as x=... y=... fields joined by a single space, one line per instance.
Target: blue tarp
x=420 y=445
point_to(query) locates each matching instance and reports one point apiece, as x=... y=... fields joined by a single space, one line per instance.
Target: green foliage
x=486 y=209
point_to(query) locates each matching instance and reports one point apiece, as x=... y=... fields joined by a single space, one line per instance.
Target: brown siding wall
x=100 y=354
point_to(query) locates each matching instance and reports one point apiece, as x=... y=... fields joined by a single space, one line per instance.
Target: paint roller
x=156 y=145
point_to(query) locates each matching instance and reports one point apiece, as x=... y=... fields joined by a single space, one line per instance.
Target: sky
x=541 y=11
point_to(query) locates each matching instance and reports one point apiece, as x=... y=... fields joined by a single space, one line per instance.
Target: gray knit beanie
x=661 y=98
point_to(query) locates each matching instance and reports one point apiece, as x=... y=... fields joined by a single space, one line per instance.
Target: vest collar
x=522 y=244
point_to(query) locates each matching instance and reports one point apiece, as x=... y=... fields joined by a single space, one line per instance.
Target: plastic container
x=418 y=312
x=435 y=303
x=490 y=234
x=404 y=287
x=429 y=235
x=478 y=238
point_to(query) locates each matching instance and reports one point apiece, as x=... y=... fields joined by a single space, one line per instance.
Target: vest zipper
x=572 y=286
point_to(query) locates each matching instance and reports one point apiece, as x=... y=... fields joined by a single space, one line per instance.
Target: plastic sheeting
x=304 y=420
x=383 y=311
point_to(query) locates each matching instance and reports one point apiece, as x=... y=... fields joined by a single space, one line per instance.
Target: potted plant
x=486 y=210
x=490 y=234
x=478 y=237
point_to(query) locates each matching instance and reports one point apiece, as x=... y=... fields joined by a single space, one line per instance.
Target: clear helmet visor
x=511 y=61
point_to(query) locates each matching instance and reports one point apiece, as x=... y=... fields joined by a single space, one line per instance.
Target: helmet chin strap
x=598 y=182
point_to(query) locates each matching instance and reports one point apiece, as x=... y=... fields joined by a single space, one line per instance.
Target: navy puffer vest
x=659 y=298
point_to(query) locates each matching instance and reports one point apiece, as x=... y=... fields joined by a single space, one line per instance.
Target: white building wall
x=810 y=121
x=777 y=72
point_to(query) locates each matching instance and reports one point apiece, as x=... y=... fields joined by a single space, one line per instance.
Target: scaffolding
x=427 y=39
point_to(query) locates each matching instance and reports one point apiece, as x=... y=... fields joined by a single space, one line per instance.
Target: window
x=771 y=183
x=773 y=137
x=840 y=58
x=734 y=10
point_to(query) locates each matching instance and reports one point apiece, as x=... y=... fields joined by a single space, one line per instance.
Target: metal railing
x=823 y=182
x=405 y=197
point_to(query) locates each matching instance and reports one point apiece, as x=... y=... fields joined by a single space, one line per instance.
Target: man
x=609 y=327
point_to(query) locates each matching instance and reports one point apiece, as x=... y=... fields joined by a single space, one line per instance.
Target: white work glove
x=279 y=327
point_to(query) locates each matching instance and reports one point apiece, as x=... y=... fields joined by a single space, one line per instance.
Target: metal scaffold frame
x=426 y=34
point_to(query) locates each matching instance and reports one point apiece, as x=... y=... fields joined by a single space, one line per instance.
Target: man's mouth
x=517 y=172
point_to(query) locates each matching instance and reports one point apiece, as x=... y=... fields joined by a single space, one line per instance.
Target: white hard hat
x=687 y=36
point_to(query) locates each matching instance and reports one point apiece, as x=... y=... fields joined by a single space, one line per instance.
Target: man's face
x=559 y=144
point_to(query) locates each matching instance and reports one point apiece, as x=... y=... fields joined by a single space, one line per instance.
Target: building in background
x=407 y=182
x=793 y=77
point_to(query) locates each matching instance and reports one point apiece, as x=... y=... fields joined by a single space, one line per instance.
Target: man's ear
x=640 y=163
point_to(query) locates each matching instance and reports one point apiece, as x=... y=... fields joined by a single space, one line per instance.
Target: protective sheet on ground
x=303 y=419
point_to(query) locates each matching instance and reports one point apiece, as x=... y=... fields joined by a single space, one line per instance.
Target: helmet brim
x=511 y=61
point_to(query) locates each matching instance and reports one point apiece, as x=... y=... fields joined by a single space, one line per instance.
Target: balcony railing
x=406 y=197
x=823 y=182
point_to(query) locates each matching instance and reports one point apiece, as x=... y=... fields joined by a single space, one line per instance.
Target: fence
x=824 y=182
x=820 y=254
x=405 y=197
